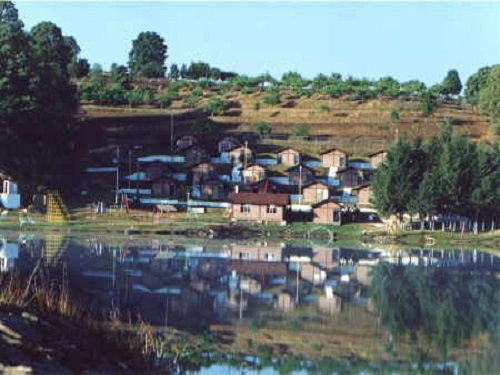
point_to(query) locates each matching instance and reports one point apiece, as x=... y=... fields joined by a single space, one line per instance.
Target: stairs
x=55 y=244
x=56 y=210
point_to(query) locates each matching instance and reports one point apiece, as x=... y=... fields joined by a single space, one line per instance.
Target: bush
x=261 y=128
x=272 y=99
x=197 y=91
x=324 y=108
x=246 y=90
x=256 y=105
x=301 y=130
x=191 y=101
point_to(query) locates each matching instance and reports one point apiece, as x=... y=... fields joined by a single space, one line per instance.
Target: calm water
x=385 y=310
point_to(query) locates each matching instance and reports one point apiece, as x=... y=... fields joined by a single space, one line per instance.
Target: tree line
x=446 y=306
x=37 y=99
x=447 y=178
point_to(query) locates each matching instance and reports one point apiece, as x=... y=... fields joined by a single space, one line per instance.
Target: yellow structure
x=54 y=247
x=392 y=225
x=56 y=210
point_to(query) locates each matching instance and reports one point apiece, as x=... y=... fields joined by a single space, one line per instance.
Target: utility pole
x=117 y=173
x=129 y=166
x=171 y=131
x=297 y=290
x=241 y=300
x=300 y=184
x=246 y=151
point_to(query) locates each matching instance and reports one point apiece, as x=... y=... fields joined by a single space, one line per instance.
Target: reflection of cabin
x=258 y=252
x=315 y=193
x=334 y=157
x=259 y=207
x=327 y=212
x=350 y=178
x=259 y=269
x=326 y=257
x=285 y=302
x=364 y=194
x=166 y=188
x=300 y=175
x=377 y=158
x=312 y=273
x=289 y=156
x=228 y=143
x=240 y=154
x=329 y=304
x=185 y=141
x=253 y=173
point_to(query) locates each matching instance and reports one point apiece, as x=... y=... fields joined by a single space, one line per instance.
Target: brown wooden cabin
x=289 y=156
x=327 y=212
x=259 y=207
x=237 y=155
x=185 y=141
x=334 y=157
x=315 y=193
x=227 y=143
x=350 y=178
x=253 y=173
x=300 y=175
x=377 y=158
x=364 y=194
x=166 y=187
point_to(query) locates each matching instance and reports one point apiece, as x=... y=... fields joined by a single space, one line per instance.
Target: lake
x=269 y=307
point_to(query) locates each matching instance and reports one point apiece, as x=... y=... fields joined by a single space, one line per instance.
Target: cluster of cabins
x=253 y=186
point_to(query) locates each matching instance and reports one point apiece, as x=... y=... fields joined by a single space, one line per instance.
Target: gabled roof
x=259 y=198
x=298 y=166
x=326 y=201
x=377 y=153
x=315 y=183
x=362 y=186
x=253 y=165
x=333 y=149
x=287 y=148
x=239 y=146
x=229 y=138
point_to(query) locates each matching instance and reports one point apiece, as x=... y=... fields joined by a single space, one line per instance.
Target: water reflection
x=445 y=296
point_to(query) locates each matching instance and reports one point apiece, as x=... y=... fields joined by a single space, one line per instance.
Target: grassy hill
x=359 y=127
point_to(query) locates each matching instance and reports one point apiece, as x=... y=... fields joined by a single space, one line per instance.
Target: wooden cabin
x=185 y=141
x=253 y=173
x=350 y=178
x=300 y=175
x=202 y=171
x=156 y=170
x=364 y=194
x=227 y=143
x=315 y=193
x=377 y=158
x=289 y=156
x=327 y=212
x=334 y=157
x=259 y=207
x=240 y=155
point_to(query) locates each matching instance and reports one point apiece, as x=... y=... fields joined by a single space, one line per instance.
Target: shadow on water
x=432 y=301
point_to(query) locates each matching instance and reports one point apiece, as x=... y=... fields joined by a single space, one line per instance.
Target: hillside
x=359 y=127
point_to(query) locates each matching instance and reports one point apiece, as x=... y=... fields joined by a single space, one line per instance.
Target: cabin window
x=269 y=257
x=271 y=209
x=341 y=161
x=244 y=255
x=336 y=215
x=245 y=208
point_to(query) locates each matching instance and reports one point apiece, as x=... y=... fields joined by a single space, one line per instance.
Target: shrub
x=191 y=101
x=246 y=90
x=301 y=130
x=261 y=128
x=272 y=99
x=197 y=91
x=256 y=323
x=256 y=105
x=294 y=326
x=324 y=108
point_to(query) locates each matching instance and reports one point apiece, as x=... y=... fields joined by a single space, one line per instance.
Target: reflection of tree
x=446 y=305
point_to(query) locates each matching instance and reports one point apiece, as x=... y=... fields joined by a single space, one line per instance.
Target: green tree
x=301 y=130
x=394 y=116
x=147 y=56
x=262 y=128
x=120 y=76
x=215 y=106
x=475 y=83
x=451 y=84
x=174 y=71
x=413 y=87
x=489 y=98
x=80 y=69
x=428 y=103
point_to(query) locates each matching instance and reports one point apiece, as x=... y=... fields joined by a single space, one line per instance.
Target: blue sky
x=404 y=40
